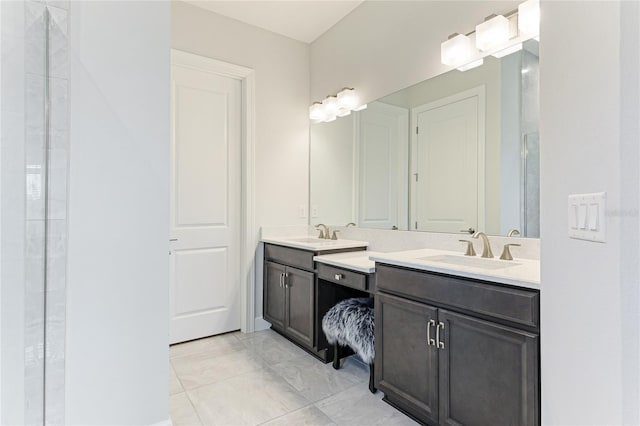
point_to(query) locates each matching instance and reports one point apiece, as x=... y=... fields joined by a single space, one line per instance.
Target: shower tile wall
x=46 y=155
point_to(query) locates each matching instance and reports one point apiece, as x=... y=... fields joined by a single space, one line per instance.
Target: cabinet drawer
x=289 y=256
x=509 y=304
x=342 y=276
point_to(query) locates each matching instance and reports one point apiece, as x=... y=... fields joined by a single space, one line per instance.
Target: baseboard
x=261 y=324
x=167 y=422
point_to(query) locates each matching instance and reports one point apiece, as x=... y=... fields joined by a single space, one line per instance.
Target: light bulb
x=316 y=112
x=347 y=99
x=331 y=105
x=492 y=33
x=456 y=51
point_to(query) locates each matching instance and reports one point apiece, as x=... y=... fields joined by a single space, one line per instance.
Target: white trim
x=478 y=91
x=248 y=233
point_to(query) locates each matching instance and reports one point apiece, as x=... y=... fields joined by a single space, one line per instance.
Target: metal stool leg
x=336 y=356
x=372 y=385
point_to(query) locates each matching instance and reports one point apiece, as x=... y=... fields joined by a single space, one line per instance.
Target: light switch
x=582 y=216
x=586 y=219
x=593 y=217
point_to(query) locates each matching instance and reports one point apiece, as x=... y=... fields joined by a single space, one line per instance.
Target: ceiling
x=304 y=20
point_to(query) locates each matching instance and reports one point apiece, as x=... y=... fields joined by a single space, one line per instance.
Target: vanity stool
x=350 y=323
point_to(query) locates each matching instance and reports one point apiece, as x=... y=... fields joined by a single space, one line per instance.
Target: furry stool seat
x=351 y=323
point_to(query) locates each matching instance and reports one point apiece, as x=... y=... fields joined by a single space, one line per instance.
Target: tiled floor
x=262 y=378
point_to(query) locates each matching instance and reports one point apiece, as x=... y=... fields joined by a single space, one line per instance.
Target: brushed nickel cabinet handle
x=338 y=277
x=430 y=341
x=284 y=280
x=439 y=344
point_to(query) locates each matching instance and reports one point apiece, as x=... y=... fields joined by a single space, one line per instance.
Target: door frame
x=248 y=232
x=478 y=91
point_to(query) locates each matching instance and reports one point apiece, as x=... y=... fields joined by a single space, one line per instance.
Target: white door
x=382 y=155
x=447 y=176
x=205 y=203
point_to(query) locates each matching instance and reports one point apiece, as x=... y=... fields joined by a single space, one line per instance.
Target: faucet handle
x=321 y=235
x=506 y=253
x=470 y=250
x=334 y=236
x=513 y=233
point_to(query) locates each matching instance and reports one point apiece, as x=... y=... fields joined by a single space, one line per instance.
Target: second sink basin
x=474 y=262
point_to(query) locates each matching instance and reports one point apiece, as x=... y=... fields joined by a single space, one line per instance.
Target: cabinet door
x=488 y=373
x=299 y=305
x=274 y=293
x=406 y=365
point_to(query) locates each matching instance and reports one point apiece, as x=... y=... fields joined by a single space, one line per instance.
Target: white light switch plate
x=586 y=216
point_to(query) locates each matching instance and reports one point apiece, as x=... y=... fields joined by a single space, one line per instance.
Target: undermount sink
x=474 y=262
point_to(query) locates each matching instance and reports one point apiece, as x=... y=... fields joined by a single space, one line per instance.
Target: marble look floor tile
x=217 y=345
x=358 y=406
x=204 y=369
x=308 y=416
x=273 y=348
x=174 y=383
x=182 y=411
x=248 y=399
x=316 y=380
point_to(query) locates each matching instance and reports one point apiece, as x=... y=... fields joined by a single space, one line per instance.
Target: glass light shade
x=331 y=105
x=508 y=51
x=316 y=112
x=456 y=51
x=361 y=107
x=471 y=65
x=529 y=17
x=347 y=99
x=492 y=33
x=330 y=118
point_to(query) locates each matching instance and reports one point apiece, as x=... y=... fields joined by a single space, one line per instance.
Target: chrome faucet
x=324 y=231
x=486 y=246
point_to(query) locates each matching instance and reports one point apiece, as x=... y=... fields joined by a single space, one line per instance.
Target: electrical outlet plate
x=586 y=216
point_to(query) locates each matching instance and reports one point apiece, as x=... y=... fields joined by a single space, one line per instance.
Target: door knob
x=173 y=239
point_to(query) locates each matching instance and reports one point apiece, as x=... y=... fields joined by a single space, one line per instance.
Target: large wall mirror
x=456 y=153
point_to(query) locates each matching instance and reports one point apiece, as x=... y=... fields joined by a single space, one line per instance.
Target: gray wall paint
x=117 y=304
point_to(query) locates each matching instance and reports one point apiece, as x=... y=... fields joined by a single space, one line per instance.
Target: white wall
x=589 y=293
x=281 y=69
x=12 y=213
x=117 y=282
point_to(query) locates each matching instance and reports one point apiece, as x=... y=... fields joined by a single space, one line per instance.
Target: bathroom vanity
x=457 y=337
x=298 y=291
x=453 y=350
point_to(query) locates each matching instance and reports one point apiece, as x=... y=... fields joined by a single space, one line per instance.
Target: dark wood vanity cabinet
x=294 y=302
x=449 y=359
x=289 y=300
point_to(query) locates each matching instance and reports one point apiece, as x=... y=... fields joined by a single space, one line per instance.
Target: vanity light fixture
x=493 y=32
x=333 y=106
x=498 y=36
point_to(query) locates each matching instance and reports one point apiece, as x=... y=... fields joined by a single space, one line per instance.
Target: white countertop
x=354 y=260
x=517 y=272
x=306 y=242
